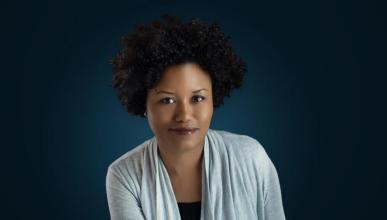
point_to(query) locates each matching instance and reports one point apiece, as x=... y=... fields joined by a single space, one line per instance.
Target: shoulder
x=128 y=167
x=129 y=158
x=232 y=136
x=243 y=146
x=240 y=142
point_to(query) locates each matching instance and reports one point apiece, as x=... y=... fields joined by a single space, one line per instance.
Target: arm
x=121 y=200
x=272 y=193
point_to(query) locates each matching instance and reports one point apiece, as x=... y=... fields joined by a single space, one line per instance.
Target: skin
x=181 y=155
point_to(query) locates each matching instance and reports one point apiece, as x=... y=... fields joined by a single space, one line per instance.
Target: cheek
x=158 y=126
x=163 y=114
x=159 y=118
x=205 y=114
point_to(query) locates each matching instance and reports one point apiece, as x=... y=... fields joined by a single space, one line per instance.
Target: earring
x=145 y=114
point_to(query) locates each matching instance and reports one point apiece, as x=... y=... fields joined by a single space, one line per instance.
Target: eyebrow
x=162 y=91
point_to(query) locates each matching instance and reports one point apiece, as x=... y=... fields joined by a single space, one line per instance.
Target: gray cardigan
x=239 y=182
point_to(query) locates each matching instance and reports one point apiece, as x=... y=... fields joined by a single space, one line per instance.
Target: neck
x=180 y=164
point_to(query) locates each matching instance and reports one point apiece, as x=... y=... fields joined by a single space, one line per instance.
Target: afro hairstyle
x=146 y=53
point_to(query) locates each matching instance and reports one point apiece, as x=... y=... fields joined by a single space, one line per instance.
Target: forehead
x=184 y=76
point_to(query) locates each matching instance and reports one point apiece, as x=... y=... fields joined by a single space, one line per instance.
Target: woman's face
x=182 y=98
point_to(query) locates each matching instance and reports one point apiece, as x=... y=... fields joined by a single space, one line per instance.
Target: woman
x=176 y=74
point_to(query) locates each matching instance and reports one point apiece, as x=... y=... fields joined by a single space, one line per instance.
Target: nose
x=183 y=111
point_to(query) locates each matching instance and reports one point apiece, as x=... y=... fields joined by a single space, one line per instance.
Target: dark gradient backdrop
x=314 y=96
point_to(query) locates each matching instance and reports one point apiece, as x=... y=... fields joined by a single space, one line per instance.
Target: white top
x=239 y=181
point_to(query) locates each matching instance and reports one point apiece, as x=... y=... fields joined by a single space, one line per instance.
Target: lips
x=184 y=129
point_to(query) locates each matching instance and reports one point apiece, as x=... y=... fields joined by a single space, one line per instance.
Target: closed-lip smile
x=182 y=129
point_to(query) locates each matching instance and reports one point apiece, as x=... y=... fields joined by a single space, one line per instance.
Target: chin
x=184 y=144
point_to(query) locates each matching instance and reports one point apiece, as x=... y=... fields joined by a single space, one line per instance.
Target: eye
x=201 y=98
x=167 y=100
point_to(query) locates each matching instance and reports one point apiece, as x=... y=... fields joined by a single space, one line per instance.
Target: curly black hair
x=151 y=49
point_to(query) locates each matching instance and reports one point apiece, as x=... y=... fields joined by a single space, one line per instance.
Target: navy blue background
x=314 y=96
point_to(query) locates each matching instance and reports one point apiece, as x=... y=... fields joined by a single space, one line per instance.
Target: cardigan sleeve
x=273 y=206
x=121 y=199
